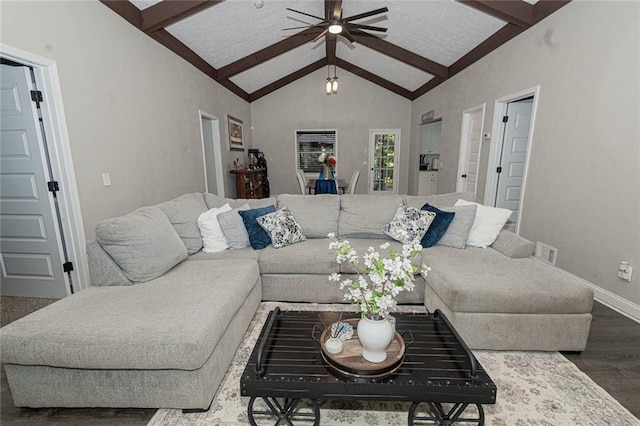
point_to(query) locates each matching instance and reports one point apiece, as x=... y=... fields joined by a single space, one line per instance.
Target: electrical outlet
x=625 y=270
x=106 y=179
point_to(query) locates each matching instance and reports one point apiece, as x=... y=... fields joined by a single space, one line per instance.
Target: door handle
x=464 y=176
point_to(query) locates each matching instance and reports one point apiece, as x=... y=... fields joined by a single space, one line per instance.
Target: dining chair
x=301 y=181
x=354 y=180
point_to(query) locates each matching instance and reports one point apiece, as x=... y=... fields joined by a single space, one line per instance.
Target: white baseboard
x=607 y=298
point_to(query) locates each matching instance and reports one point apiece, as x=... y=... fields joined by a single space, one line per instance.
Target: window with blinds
x=310 y=144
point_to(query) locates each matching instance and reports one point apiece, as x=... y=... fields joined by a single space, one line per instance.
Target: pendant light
x=334 y=84
x=328 y=86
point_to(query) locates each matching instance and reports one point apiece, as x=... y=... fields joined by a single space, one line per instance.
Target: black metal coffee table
x=287 y=372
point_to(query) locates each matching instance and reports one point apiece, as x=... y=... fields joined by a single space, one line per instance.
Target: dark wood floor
x=611 y=359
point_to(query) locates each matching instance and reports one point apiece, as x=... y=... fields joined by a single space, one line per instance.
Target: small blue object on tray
x=342 y=331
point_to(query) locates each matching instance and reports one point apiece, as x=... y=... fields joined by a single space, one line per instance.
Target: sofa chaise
x=163 y=319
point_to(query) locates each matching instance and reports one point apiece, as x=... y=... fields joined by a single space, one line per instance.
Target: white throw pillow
x=213 y=239
x=486 y=225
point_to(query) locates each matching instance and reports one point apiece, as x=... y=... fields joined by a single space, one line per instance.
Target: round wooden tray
x=350 y=361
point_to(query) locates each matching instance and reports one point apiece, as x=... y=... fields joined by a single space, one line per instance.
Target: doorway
x=514 y=121
x=211 y=154
x=384 y=149
x=470 y=148
x=43 y=241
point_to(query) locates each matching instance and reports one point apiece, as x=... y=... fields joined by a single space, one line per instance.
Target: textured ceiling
x=245 y=48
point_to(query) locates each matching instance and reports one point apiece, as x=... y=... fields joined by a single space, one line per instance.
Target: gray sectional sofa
x=162 y=320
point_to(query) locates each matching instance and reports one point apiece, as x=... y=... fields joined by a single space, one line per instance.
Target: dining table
x=340 y=183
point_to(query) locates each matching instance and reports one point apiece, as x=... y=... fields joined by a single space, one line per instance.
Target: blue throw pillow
x=438 y=227
x=257 y=236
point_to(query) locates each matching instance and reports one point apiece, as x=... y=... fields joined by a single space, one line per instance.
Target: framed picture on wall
x=236 y=135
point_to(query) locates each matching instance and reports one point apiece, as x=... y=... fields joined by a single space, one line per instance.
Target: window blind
x=310 y=144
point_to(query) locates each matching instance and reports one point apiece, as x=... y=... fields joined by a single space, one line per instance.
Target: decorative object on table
x=348 y=360
x=236 y=136
x=329 y=162
x=379 y=281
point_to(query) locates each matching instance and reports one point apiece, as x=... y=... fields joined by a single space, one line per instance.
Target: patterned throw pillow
x=409 y=224
x=282 y=228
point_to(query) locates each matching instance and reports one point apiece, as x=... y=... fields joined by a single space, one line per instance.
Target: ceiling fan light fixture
x=335 y=28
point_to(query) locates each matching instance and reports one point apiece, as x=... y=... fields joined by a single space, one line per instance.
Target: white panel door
x=470 y=144
x=30 y=251
x=513 y=159
x=384 y=149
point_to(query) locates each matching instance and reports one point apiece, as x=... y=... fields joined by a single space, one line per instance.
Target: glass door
x=384 y=148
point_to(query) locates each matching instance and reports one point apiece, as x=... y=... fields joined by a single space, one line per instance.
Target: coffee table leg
x=283 y=411
x=445 y=418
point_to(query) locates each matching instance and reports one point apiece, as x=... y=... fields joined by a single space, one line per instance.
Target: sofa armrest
x=103 y=271
x=513 y=245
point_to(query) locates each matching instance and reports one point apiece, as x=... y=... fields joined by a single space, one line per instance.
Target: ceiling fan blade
x=366 y=14
x=298 y=28
x=319 y=36
x=336 y=13
x=368 y=27
x=346 y=34
x=303 y=13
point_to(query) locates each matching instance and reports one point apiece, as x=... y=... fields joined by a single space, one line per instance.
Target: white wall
x=131 y=105
x=583 y=190
x=358 y=107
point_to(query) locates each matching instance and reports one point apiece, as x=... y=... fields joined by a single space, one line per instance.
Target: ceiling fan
x=334 y=23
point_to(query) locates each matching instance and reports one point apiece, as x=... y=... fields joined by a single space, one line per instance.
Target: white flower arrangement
x=381 y=280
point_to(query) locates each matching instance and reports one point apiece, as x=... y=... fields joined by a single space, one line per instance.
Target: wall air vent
x=546 y=253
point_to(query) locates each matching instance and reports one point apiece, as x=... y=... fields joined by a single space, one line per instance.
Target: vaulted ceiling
x=243 y=44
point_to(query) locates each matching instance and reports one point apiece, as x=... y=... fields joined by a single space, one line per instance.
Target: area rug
x=534 y=388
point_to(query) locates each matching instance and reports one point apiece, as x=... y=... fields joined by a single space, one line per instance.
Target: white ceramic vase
x=375 y=336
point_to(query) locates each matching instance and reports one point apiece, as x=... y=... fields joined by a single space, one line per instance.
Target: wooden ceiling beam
x=399 y=53
x=544 y=8
x=353 y=69
x=176 y=46
x=269 y=88
x=167 y=12
x=498 y=38
x=126 y=10
x=269 y=52
x=516 y=12
x=435 y=81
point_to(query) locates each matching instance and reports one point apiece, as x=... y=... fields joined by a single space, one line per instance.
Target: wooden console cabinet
x=250 y=183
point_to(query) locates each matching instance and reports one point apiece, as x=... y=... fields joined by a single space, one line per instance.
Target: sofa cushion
x=214 y=201
x=258 y=237
x=172 y=322
x=213 y=239
x=282 y=227
x=513 y=245
x=486 y=225
x=317 y=214
x=483 y=280
x=233 y=228
x=308 y=257
x=438 y=227
x=364 y=216
x=409 y=224
x=458 y=231
x=143 y=243
x=183 y=213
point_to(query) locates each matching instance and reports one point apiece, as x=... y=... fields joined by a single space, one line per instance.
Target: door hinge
x=53 y=186
x=36 y=96
x=505 y=118
x=67 y=267
x=499 y=169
